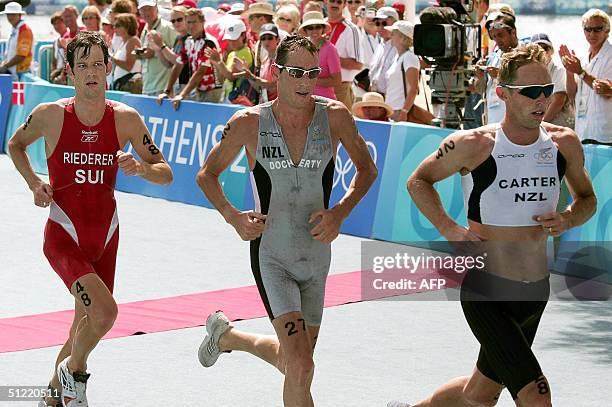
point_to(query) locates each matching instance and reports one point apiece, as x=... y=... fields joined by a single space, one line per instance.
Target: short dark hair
x=55 y=17
x=86 y=40
x=121 y=6
x=127 y=21
x=291 y=44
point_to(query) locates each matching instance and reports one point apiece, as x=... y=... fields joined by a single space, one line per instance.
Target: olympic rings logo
x=343 y=169
x=544 y=155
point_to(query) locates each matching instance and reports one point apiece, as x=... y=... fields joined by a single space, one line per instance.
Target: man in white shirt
x=590 y=84
x=559 y=111
x=345 y=37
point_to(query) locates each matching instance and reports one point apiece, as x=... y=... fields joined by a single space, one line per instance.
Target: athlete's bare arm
x=343 y=129
x=578 y=181
x=38 y=124
x=461 y=152
x=241 y=130
x=152 y=166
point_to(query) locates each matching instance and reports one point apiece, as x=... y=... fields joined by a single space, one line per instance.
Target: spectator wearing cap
x=187 y=3
x=58 y=61
x=236 y=9
x=400 y=8
x=155 y=72
x=403 y=75
x=264 y=81
x=169 y=55
x=194 y=55
x=493 y=11
x=235 y=35
x=560 y=110
x=287 y=18
x=345 y=37
x=18 y=56
x=224 y=8
x=370 y=40
x=257 y=15
x=372 y=107
x=589 y=82
x=385 y=52
x=502 y=30
x=108 y=30
x=316 y=29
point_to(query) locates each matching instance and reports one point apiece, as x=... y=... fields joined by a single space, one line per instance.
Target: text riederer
x=414 y=263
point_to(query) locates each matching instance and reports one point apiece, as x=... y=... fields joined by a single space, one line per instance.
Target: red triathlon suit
x=82 y=233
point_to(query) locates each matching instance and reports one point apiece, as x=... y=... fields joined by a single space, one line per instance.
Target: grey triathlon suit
x=289 y=265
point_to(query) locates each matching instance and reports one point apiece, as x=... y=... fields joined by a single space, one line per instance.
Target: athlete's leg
x=265 y=347
x=101 y=312
x=79 y=313
x=535 y=394
x=476 y=390
x=295 y=358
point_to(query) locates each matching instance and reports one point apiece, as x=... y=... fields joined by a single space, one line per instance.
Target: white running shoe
x=397 y=404
x=74 y=386
x=216 y=325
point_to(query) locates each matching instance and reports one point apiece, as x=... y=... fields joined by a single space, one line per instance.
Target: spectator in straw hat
x=257 y=15
x=18 y=55
x=315 y=28
x=403 y=75
x=373 y=107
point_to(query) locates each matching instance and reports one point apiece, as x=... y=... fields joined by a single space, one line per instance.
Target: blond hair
x=597 y=13
x=523 y=55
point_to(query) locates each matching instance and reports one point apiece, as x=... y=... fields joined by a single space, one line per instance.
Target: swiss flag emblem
x=18 y=93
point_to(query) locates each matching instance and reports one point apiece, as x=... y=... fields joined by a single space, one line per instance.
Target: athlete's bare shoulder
x=566 y=139
x=242 y=127
x=123 y=111
x=336 y=110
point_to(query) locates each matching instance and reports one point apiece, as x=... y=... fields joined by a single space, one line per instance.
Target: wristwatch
x=582 y=74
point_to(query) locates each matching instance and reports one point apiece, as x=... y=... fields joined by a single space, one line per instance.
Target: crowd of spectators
x=226 y=55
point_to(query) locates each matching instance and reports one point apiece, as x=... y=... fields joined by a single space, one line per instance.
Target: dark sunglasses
x=313 y=27
x=353 y=1
x=177 y=20
x=381 y=23
x=266 y=38
x=596 y=29
x=336 y=1
x=256 y=16
x=532 y=91
x=297 y=73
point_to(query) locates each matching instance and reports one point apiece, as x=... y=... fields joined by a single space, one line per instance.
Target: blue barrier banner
x=598 y=163
x=6 y=94
x=186 y=137
x=361 y=219
x=397 y=217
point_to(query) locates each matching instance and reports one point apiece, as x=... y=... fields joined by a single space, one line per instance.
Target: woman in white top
x=126 y=66
x=403 y=75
